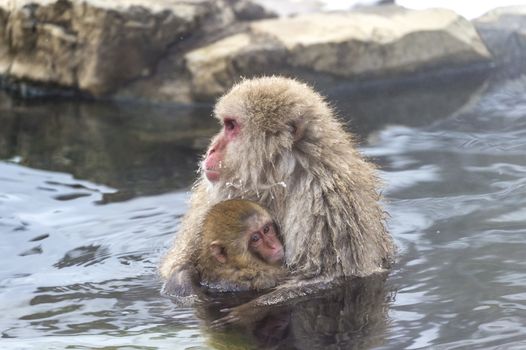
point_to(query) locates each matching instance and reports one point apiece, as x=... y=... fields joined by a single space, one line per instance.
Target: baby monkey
x=241 y=248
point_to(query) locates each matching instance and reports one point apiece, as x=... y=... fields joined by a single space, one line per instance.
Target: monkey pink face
x=216 y=153
x=265 y=244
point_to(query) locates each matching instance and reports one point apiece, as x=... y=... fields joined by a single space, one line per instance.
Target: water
x=91 y=194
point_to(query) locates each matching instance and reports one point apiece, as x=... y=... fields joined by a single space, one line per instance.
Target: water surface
x=91 y=194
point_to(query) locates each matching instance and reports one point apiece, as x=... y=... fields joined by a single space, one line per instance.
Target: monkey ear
x=218 y=251
x=297 y=128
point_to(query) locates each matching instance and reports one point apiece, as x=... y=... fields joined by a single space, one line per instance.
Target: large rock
x=97 y=46
x=350 y=44
x=504 y=32
x=286 y=8
x=353 y=45
x=215 y=67
x=188 y=50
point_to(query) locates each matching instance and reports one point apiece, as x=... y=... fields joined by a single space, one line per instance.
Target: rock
x=211 y=67
x=349 y=45
x=187 y=51
x=249 y=11
x=504 y=32
x=286 y=8
x=97 y=46
x=215 y=67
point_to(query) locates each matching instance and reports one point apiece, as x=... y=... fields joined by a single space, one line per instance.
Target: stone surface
x=350 y=44
x=193 y=50
x=504 y=32
x=97 y=46
x=250 y=11
x=286 y=8
x=387 y=42
x=211 y=65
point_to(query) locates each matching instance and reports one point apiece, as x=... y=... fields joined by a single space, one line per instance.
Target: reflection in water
x=81 y=240
x=462 y=231
x=373 y=107
x=140 y=150
x=352 y=316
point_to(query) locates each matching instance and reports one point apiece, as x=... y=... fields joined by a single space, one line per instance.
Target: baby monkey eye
x=266 y=228
x=255 y=237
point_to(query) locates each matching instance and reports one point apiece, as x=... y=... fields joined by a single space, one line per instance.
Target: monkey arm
x=181 y=282
x=290 y=292
x=177 y=266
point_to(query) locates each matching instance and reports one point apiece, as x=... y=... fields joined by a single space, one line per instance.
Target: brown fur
x=295 y=158
x=226 y=224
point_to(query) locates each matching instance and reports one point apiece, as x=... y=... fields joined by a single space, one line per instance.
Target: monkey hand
x=243 y=313
x=179 y=284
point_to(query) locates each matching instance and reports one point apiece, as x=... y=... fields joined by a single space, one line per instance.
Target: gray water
x=91 y=195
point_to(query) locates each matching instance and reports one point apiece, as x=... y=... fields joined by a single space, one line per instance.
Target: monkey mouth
x=212 y=175
x=277 y=258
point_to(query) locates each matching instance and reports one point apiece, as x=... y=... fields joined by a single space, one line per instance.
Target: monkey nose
x=278 y=255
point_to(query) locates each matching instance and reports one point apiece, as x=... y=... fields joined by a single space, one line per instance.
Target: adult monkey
x=282 y=146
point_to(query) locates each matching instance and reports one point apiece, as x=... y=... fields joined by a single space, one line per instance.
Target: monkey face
x=261 y=121
x=263 y=240
x=215 y=156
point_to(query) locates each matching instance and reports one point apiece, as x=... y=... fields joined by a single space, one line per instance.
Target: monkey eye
x=266 y=229
x=255 y=238
x=230 y=124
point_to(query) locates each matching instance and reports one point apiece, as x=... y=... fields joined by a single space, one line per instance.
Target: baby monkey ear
x=297 y=128
x=218 y=251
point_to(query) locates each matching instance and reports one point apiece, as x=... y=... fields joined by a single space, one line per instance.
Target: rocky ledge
x=187 y=51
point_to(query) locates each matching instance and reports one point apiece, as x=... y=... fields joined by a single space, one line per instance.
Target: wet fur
x=295 y=158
